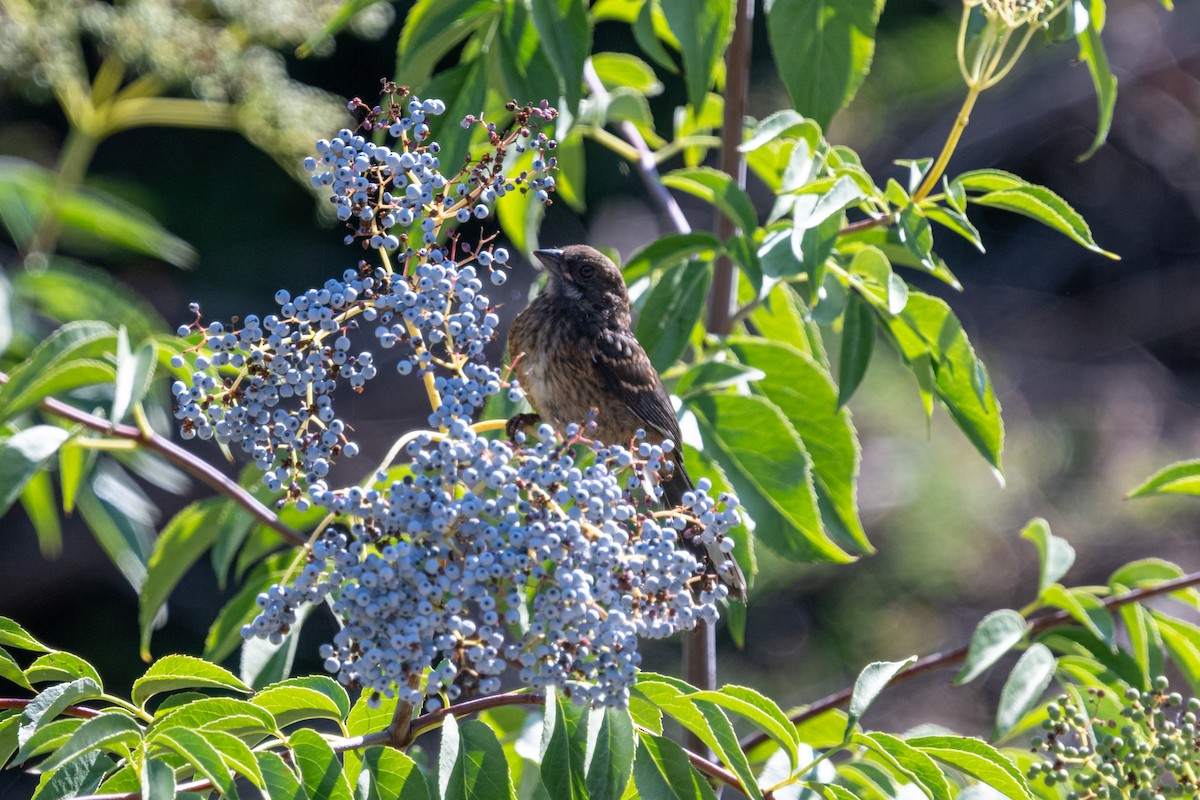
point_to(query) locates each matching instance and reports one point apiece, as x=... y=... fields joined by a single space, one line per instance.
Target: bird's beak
x=551 y=260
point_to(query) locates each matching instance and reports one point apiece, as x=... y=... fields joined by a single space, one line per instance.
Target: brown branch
x=71 y=711
x=181 y=458
x=951 y=657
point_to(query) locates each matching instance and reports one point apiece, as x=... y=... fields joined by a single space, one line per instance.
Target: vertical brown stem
x=700 y=645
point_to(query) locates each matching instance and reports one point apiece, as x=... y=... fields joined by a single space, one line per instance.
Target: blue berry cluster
x=551 y=557
x=545 y=557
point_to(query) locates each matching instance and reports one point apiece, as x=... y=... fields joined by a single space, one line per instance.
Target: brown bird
x=577 y=360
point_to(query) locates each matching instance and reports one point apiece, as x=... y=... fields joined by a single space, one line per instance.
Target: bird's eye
x=587 y=272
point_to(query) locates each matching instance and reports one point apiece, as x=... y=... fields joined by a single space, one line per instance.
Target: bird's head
x=585 y=277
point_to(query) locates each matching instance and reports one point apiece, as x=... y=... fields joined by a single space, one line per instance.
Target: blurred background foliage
x=1094 y=361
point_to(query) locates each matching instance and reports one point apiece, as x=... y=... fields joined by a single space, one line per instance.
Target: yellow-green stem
x=943 y=159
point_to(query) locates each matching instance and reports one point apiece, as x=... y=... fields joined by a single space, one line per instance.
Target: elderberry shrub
x=472 y=556
x=1152 y=752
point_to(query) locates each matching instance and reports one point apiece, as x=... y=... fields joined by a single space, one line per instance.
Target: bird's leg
x=518 y=422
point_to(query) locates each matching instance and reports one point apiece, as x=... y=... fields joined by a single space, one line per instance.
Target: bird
x=577 y=360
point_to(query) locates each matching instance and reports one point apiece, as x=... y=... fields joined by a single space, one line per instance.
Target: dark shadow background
x=1095 y=361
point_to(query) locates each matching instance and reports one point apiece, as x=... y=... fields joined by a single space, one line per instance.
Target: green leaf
x=81 y=777
x=224 y=636
x=671 y=311
x=624 y=70
x=74 y=463
x=113 y=731
x=394 y=776
x=280 y=782
x=823 y=50
x=648 y=27
x=70 y=346
x=566 y=36
x=1092 y=53
x=431 y=30
x=46 y=739
x=769 y=467
x=22 y=456
x=40 y=504
x=1182 y=477
x=263 y=663
x=878 y=284
x=669 y=251
x=1041 y=204
x=1029 y=678
x=157 y=780
x=10 y=670
x=13 y=635
x=804 y=393
x=927 y=328
x=88 y=215
x=708 y=376
x=311 y=697
x=121 y=518
x=1055 y=555
x=760 y=710
x=238 y=717
x=873 y=679
x=320 y=769
x=197 y=750
x=59 y=666
x=908 y=762
x=9 y=720
x=703 y=28
x=1151 y=572
x=858 y=341
x=236 y=754
x=662 y=771
x=609 y=753
x=185 y=538
x=67 y=290
x=171 y=673
x=1085 y=608
x=471 y=763
x=520 y=214
x=465 y=88
x=956 y=221
x=51 y=702
x=979 y=760
x=784 y=122
x=572 y=171
x=134 y=374
x=995 y=635
x=1145 y=641
x=1182 y=640
x=562 y=755
x=362 y=720
x=718 y=189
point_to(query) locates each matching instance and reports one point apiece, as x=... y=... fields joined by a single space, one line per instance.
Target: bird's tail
x=721 y=563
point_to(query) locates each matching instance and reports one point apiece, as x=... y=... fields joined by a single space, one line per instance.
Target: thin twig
x=71 y=711
x=181 y=458
x=646 y=164
x=950 y=657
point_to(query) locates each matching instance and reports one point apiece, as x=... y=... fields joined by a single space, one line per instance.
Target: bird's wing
x=627 y=370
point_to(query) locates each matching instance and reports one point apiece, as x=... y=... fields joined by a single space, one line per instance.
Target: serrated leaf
x=310 y=697
x=197 y=750
x=59 y=666
x=394 y=776
x=46 y=739
x=624 y=70
x=562 y=766
x=157 y=780
x=873 y=679
x=823 y=50
x=668 y=251
x=1029 y=678
x=703 y=28
x=802 y=390
x=1092 y=53
x=10 y=670
x=51 y=702
x=566 y=36
x=13 y=635
x=1151 y=572
x=760 y=710
x=238 y=717
x=1085 y=608
x=956 y=221
x=81 y=777
x=1041 y=204
x=184 y=539
x=72 y=344
x=718 y=189
x=113 y=731
x=995 y=635
x=649 y=27
x=784 y=122
x=40 y=504
x=979 y=760
x=1182 y=477
x=767 y=463
x=471 y=763
x=858 y=342
x=908 y=762
x=671 y=311
x=280 y=782
x=609 y=753
x=1055 y=555
x=431 y=30
x=175 y=672
x=263 y=663
x=662 y=771
x=465 y=88
x=320 y=770
x=22 y=456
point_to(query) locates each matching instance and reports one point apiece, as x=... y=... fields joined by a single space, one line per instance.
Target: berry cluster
x=490 y=554
x=1154 y=752
x=551 y=556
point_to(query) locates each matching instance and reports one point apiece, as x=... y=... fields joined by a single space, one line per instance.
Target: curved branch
x=71 y=711
x=202 y=470
x=951 y=657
